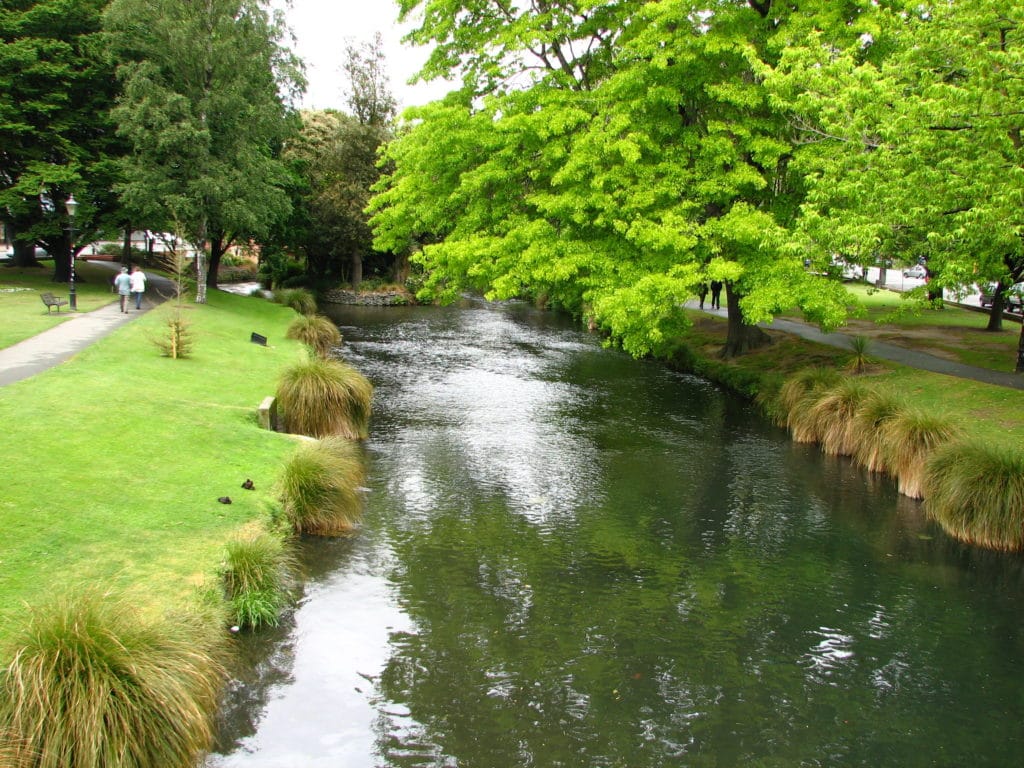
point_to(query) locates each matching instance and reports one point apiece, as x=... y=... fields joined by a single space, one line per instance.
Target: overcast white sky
x=321 y=28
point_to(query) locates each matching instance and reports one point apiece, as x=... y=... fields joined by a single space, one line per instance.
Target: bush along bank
x=974 y=491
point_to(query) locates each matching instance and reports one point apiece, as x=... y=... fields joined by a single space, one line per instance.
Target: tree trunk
x=126 y=249
x=357 y=270
x=1020 y=351
x=742 y=338
x=24 y=253
x=400 y=268
x=995 y=313
x=217 y=249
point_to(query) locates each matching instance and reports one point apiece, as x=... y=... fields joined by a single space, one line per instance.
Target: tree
x=56 y=137
x=206 y=86
x=614 y=178
x=918 y=146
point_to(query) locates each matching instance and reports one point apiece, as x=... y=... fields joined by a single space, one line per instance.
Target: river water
x=572 y=558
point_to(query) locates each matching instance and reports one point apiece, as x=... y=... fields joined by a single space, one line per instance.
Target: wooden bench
x=52 y=301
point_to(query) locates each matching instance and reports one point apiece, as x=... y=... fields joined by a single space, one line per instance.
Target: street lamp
x=72 y=206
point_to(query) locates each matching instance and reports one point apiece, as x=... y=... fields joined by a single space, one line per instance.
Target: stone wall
x=376 y=299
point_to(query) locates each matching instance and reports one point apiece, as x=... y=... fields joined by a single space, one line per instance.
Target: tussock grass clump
x=257 y=572
x=859 y=362
x=321 y=398
x=976 y=493
x=796 y=397
x=320 y=487
x=317 y=332
x=831 y=416
x=91 y=685
x=299 y=299
x=874 y=412
x=908 y=439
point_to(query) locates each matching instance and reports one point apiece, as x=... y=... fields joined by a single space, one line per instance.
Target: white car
x=918 y=270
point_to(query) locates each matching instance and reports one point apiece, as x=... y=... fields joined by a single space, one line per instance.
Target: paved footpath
x=892 y=352
x=54 y=346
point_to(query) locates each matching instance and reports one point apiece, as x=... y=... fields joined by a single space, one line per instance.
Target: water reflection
x=574 y=559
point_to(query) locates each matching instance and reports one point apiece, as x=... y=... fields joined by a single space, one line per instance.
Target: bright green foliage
x=56 y=136
x=616 y=192
x=202 y=108
x=92 y=684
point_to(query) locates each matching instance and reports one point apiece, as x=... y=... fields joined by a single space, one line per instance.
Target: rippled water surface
x=570 y=558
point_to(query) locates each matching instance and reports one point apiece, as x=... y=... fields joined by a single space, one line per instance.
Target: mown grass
x=114 y=461
x=25 y=315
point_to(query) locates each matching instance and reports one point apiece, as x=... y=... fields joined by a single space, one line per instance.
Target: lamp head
x=72 y=205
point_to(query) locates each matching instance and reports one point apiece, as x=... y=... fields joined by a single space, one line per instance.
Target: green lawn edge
x=115 y=460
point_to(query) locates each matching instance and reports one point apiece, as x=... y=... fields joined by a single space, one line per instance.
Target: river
x=572 y=558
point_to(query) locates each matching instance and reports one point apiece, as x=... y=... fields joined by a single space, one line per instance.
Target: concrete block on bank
x=268 y=413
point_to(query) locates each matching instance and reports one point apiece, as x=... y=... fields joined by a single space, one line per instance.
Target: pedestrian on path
x=123 y=285
x=716 y=294
x=702 y=293
x=138 y=281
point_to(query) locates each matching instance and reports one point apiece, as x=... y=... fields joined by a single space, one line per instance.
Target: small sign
x=257 y=339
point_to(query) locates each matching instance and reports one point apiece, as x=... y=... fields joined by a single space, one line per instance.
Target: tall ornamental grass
x=91 y=684
x=908 y=439
x=831 y=416
x=257 y=572
x=321 y=398
x=320 y=487
x=875 y=411
x=299 y=299
x=317 y=332
x=801 y=391
x=976 y=493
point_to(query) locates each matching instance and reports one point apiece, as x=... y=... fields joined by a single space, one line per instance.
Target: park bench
x=52 y=301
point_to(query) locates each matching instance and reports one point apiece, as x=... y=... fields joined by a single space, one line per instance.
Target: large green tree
x=914 y=137
x=56 y=136
x=206 y=88
x=621 y=155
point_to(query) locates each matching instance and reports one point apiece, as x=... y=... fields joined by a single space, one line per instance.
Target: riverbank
x=116 y=459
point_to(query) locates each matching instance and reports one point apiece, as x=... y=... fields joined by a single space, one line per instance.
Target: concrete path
x=60 y=343
x=892 y=352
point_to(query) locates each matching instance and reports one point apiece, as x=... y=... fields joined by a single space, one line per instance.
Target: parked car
x=918 y=270
x=1014 y=296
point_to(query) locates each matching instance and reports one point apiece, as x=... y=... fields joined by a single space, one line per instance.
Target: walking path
x=60 y=343
x=892 y=352
x=54 y=346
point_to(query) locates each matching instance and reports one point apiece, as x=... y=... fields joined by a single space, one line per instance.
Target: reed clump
x=317 y=332
x=976 y=493
x=91 y=684
x=869 y=421
x=320 y=487
x=320 y=398
x=799 y=392
x=299 y=299
x=908 y=439
x=258 y=574
x=831 y=416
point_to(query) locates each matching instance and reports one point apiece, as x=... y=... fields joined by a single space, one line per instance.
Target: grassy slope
x=114 y=461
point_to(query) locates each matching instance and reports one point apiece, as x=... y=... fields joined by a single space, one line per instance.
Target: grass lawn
x=114 y=461
x=25 y=315
x=952 y=332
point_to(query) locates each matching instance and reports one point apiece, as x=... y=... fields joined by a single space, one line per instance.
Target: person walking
x=138 y=281
x=716 y=294
x=123 y=286
x=702 y=293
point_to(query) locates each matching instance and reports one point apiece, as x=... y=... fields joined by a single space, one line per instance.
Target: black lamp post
x=72 y=206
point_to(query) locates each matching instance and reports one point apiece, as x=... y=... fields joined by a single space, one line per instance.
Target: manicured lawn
x=25 y=315
x=114 y=461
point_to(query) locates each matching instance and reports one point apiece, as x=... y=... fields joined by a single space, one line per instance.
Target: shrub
x=92 y=684
x=869 y=421
x=976 y=493
x=257 y=575
x=833 y=413
x=908 y=439
x=317 y=332
x=796 y=395
x=859 y=362
x=299 y=299
x=177 y=341
x=320 y=398
x=320 y=487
